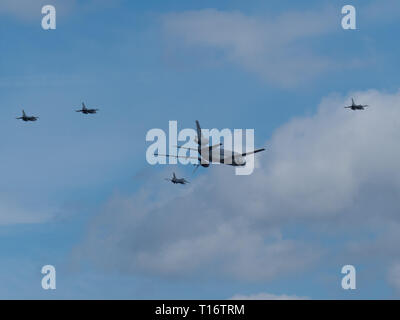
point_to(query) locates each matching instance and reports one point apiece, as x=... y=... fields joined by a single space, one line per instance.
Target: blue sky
x=76 y=192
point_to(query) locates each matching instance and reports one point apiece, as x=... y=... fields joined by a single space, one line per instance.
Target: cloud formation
x=178 y=236
x=323 y=174
x=272 y=47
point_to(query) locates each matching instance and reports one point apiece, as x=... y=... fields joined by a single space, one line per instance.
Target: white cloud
x=267 y=46
x=187 y=234
x=328 y=173
x=267 y=296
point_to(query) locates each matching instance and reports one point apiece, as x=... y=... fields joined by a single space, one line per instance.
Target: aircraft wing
x=173 y=156
x=216 y=146
x=187 y=148
x=251 y=152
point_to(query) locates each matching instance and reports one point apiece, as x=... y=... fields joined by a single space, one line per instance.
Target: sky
x=76 y=191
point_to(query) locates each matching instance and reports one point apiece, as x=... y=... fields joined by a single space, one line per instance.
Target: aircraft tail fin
x=23 y=113
x=352 y=102
x=173 y=175
x=200 y=139
x=198 y=129
x=83 y=106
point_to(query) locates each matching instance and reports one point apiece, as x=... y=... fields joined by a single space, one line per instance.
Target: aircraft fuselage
x=359 y=107
x=27 y=119
x=88 y=111
x=220 y=155
x=178 y=181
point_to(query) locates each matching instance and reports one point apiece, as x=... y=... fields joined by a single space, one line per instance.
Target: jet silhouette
x=356 y=106
x=27 y=118
x=175 y=180
x=86 y=110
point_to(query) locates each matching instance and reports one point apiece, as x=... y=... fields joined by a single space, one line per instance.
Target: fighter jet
x=356 y=106
x=175 y=180
x=208 y=154
x=86 y=110
x=27 y=118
